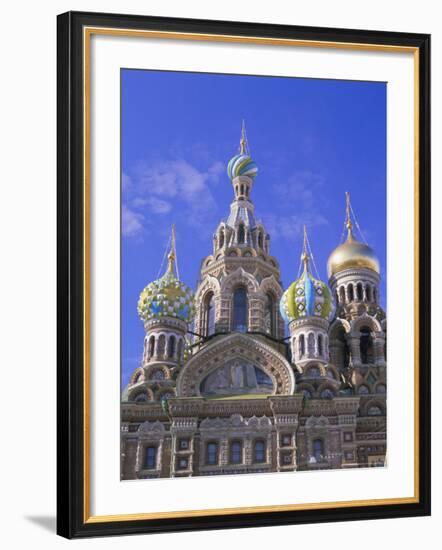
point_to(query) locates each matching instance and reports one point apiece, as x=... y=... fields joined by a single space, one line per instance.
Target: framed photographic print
x=241 y=207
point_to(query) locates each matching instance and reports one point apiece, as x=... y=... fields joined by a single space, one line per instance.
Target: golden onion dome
x=352 y=254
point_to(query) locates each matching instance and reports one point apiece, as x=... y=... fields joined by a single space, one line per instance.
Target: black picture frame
x=71 y=519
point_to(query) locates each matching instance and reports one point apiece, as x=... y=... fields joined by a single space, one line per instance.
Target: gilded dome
x=351 y=254
x=166 y=297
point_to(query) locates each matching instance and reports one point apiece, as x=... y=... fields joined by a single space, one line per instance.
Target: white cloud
x=299 y=196
x=155 y=184
x=132 y=222
x=126 y=181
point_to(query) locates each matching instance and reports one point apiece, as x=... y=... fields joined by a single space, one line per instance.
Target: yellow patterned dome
x=351 y=254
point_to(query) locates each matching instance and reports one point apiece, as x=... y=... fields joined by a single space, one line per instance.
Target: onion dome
x=167 y=297
x=242 y=164
x=352 y=253
x=307 y=296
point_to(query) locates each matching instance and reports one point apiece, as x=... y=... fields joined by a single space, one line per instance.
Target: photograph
x=253 y=274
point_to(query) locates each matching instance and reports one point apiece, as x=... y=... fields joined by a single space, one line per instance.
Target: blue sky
x=311 y=139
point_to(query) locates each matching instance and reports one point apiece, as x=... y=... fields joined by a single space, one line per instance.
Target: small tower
x=307 y=306
x=240 y=283
x=165 y=307
x=358 y=335
x=353 y=271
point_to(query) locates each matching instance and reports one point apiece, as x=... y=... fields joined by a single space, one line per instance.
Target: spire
x=243 y=144
x=348 y=222
x=171 y=257
x=305 y=257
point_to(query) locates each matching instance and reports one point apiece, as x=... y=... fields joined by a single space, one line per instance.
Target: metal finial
x=348 y=222
x=243 y=145
x=305 y=255
x=172 y=253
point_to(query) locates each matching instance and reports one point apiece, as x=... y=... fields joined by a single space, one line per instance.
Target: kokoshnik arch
x=220 y=390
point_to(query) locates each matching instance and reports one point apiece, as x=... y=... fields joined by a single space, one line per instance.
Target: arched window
x=311 y=345
x=171 y=348
x=320 y=345
x=242 y=189
x=150 y=458
x=342 y=295
x=363 y=390
x=301 y=345
x=345 y=352
x=151 y=347
x=259 y=451
x=351 y=293
x=269 y=315
x=374 y=410
x=209 y=314
x=141 y=397
x=368 y=292
x=240 y=310
x=313 y=372
x=318 y=449
x=260 y=241
x=307 y=394
x=366 y=346
x=158 y=374
x=241 y=234
x=212 y=453
x=180 y=350
x=161 y=346
x=236 y=452
x=359 y=291
x=221 y=239
x=327 y=394
x=375 y=295
x=381 y=388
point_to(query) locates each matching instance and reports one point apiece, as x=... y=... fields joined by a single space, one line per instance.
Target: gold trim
x=87 y=280
x=87 y=33
x=416 y=274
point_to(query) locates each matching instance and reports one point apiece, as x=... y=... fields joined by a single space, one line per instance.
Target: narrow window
x=221 y=238
x=236 y=452
x=180 y=351
x=171 y=349
x=151 y=346
x=209 y=314
x=368 y=292
x=240 y=310
x=259 y=451
x=161 y=345
x=150 y=458
x=212 y=453
x=241 y=234
x=301 y=345
x=269 y=315
x=366 y=346
x=242 y=189
x=260 y=241
x=375 y=295
x=351 y=293
x=359 y=291
x=311 y=345
x=318 y=450
x=320 y=345
x=342 y=295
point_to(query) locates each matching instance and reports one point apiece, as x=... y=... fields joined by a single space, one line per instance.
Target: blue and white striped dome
x=241 y=165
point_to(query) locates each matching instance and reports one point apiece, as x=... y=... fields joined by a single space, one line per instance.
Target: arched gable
x=241 y=348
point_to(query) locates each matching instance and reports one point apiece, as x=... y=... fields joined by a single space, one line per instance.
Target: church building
x=242 y=376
